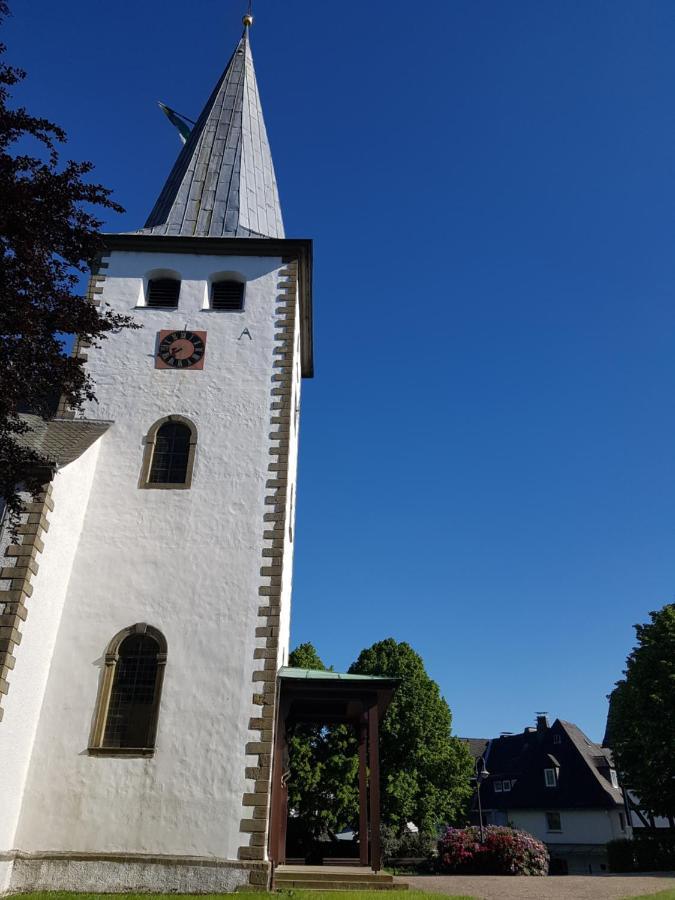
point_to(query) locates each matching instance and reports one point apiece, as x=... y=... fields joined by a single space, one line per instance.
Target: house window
x=163 y=292
x=227 y=295
x=169 y=455
x=613 y=778
x=506 y=785
x=550 y=779
x=128 y=702
x=553 y=821
x=557 y=739
x=498 y=787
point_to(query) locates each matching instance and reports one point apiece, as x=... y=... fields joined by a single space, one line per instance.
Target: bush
x=655 y=852
x=406 y=845
x=620 y=855
x=505 y=851
x=650 y=852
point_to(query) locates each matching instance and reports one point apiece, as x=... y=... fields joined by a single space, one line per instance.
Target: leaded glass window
x=132 y=706
x=170 y=455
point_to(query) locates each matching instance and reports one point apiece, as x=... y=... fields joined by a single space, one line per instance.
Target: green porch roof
x=312 y=674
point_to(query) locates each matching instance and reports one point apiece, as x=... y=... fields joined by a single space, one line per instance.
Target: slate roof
x=223 y=182
x=583 y=771
x=61 y=440
x=477 y=746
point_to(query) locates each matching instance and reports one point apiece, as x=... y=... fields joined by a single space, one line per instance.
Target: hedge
x=650 y=852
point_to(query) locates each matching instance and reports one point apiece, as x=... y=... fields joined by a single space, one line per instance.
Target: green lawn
x=662 y=895
x=245 y=895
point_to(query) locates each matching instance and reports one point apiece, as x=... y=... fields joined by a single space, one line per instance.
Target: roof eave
x=300 y=249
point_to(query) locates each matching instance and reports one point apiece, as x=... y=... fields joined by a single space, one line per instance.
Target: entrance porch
x=331 y=698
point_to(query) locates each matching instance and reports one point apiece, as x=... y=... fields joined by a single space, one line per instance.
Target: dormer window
x=613 y=778
x=227 y=295
x=163 y=292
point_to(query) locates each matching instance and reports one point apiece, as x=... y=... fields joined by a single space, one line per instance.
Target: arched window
x=169 y=454
x=163 y=291
x=128 y=702
x=227 y=293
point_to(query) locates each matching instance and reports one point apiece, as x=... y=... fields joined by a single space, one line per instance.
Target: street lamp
x=481 y=774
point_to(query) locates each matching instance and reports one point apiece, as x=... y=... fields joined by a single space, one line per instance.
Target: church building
x=145 y=609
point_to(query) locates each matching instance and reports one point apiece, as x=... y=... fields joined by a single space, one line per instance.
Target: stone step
x=334 y=875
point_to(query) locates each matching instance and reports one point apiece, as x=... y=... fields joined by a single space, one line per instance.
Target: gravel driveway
x=564 y=887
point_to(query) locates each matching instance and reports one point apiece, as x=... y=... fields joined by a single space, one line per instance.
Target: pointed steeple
x=223 y=182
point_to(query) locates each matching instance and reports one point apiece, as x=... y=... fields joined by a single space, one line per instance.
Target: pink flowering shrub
x=505 y=851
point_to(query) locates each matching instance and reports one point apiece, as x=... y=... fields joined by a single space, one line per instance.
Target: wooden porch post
x=374 y=741
x=363 y=789
x=279 y=799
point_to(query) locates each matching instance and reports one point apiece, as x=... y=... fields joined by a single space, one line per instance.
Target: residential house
x=555 y=783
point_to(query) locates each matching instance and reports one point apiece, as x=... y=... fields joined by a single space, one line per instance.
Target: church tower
x=145 y=609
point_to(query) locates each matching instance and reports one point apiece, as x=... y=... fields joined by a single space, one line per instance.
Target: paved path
x=564 y=887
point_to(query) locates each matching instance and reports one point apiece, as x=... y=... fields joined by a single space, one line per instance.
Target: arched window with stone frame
x=169 y=454
x=127 y=706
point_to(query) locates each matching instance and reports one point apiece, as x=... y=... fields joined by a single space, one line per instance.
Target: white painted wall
x=186 y=562
x=291 y=499
x=579 y=826
x=27 y=681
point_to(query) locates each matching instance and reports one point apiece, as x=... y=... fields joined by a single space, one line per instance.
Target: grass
x=246 y=895
x=662 y=895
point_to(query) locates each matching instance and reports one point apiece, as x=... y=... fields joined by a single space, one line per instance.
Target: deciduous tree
x=425 y=771
x=322 y=789
x=48 y=237
x=641 y=725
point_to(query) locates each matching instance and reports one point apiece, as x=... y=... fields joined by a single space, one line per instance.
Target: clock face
x=181 y=350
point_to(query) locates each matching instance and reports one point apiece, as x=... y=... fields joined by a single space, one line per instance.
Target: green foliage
x=641 y=725
x=651 y=852
x=323 y=787
x=409 y=845
x=305 y=657
x=503 y=851
x=620 y=855
x=425 y=771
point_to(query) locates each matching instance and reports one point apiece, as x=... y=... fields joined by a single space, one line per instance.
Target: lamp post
x=481 y=774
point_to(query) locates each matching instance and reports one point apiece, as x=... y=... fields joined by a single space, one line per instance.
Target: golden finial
x=247 y=20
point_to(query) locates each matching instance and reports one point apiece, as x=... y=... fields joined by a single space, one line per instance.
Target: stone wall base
x=128 y=872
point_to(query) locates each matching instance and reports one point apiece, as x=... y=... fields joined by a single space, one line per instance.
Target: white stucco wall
x=291 y=499
x=71 y=488
x=591 y=826
x=185 y=561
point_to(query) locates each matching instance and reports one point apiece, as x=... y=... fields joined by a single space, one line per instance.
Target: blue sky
x=486 y=467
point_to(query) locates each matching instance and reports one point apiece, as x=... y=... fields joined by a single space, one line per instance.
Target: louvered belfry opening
x=171 y=453
x=163 y=292
x=228 y=295
x=131 y=710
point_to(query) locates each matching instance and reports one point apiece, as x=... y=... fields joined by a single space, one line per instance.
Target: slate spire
x=223 y=183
